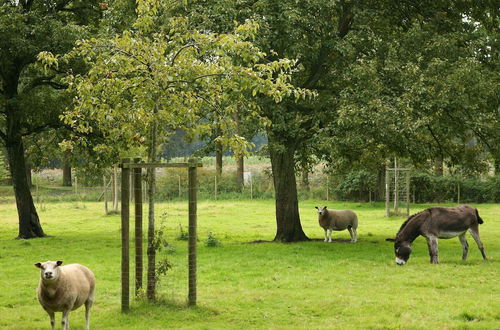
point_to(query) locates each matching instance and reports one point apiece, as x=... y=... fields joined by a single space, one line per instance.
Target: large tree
x=333 y=42
x=28 y=102
x=313 y=32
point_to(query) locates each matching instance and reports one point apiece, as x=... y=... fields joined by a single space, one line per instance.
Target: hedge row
x=430 y=188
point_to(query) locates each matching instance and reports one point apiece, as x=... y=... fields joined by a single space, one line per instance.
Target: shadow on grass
x=336 y=240
x=163 y=304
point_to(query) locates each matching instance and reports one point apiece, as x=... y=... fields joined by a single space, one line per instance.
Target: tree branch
x=440 y=146
x=40 y=81
x=42 y=128
x=199 y=77
x=180 y=50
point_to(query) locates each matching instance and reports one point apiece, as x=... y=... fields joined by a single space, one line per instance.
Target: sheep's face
x=321 y=210
x=49 y=270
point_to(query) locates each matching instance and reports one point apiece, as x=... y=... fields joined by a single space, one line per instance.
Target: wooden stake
x=125 y=275
x=138 y=227
x=192 y=232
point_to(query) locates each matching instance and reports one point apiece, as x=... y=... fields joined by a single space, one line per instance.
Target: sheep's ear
x=390 y=239
x=325 y=207
x=38 y=264
x=59 y=262
x=316 y=208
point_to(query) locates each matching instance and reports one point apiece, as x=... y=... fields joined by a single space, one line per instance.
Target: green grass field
x=310 y=285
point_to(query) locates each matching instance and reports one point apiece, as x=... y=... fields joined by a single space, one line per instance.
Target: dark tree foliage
x=31 y=100
x=377 y=67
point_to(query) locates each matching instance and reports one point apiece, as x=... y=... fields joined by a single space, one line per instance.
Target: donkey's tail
x=479 y=220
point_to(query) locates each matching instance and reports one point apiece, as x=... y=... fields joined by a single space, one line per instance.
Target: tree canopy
x=31 y=99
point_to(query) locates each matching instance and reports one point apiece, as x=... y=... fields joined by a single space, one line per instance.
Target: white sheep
x=337 y=220
x=65 y=288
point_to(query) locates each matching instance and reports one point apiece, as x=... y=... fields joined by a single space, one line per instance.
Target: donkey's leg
x=465 y=246
x=432 y=244
x=475 y=234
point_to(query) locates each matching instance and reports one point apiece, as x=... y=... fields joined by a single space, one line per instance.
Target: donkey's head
x=402 y=249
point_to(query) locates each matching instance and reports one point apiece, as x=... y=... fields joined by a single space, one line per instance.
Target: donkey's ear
x=59 y=262
x=390 y=239
x=38 y=264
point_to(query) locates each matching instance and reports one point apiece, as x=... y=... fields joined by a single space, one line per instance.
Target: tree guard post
x=138 y=226
x=192 y=231
x=125 y=212
x=135 y=168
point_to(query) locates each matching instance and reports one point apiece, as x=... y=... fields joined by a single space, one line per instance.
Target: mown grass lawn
x=309 y=285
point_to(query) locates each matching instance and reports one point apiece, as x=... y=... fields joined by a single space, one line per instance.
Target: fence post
x=180 y=190
x=192 y=231
x=408 y=193
x=387 y=192
x=138 y=226
x=251 y=187
x=125 y=275
x=215 y=187
x=105 y=194
x=327 y=187
x=115 y=188
x=396 y=187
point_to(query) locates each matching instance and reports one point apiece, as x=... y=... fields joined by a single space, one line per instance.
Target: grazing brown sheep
x=65 y=288
x=338 y=220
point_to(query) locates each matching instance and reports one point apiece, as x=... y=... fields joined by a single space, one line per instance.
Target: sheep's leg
x=330 y=235
x=475 y=234
x=326 y=235
x=88 y=304
x=52 y=320
x=465 y=246
x=352 y=232
x=65 y=319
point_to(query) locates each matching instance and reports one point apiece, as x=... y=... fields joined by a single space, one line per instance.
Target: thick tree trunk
x=218 y=158
x=66 y=170
x=289 y=228
x=29 y=223
x=240 y=170
x=29 y=177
